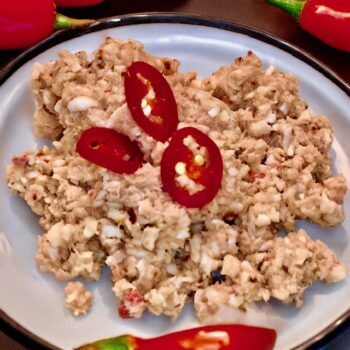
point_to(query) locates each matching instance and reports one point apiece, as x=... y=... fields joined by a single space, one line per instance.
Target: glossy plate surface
x=35 y=300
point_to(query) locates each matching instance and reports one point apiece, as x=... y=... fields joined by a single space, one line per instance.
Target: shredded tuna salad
x=277 y=170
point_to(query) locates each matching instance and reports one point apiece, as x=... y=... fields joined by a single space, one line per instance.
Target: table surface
x=255 y=13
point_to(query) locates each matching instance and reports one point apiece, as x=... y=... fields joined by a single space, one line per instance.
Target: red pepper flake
x=128 y=300
x=122 y=311
x=20 y=161
x=254 y=176
x=110 y=149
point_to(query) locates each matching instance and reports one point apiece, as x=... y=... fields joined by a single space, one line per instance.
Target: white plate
x=35 y=300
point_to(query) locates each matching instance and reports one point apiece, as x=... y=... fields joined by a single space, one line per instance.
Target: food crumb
x=78 y=298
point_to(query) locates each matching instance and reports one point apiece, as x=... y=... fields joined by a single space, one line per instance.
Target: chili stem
x=64 y=22
x=123 y=342
x=294 y=7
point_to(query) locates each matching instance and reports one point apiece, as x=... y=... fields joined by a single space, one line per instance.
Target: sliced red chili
x=151 y=101
x=110 y=149
x=207 y=175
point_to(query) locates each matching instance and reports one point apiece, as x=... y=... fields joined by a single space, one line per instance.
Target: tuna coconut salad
x=180 y=185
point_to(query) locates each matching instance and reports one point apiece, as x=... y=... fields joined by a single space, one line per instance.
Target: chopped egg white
x=81 y=104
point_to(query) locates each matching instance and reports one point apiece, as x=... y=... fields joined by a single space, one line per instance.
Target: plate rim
x=21 y=333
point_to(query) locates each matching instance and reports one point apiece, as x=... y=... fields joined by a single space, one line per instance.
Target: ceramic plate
x=35 y=300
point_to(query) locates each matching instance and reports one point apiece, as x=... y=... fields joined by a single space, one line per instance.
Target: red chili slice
x=141 y=81
x=110 y=149
x=209 y=175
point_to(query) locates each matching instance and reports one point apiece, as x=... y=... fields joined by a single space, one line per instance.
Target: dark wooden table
x=255 y=13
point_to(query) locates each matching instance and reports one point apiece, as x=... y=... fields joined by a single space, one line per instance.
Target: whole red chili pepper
x=24 y=23
x=76 y=3
x=220 y=337
x=328 y=20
